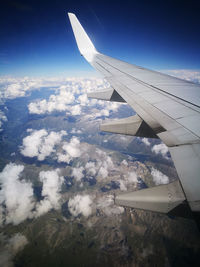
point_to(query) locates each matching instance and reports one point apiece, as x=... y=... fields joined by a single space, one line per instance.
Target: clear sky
x=36 y=38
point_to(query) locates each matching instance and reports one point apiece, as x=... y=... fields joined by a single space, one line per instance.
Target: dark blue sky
x=36 y=37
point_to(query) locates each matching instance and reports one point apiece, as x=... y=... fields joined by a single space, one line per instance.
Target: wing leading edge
x=167 y=108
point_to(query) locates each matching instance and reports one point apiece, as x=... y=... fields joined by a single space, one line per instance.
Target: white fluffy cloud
x=146 y=141
x=3 y=118
x=71 y=150
x=106 y=204
x=104 y=163
x=40 y=144
x=159 y=177
x=72 y=98
x=80 y=204
x=78 y=173
x=52 y=184
x=161 y=149
x=58 y=102
x=18 y=87
x=16 y=195
x=74 y=110
x=90 y=168
x=17 y=202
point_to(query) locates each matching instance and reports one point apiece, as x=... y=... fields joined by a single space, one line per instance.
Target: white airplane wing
x=167 y=108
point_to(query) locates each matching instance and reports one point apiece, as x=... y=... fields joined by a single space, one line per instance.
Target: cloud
x=103 y=172
x=106 y=204
x=83 y=99
x=3 y=118
x=80 y=204
x=122 y=185
x=190 y=75
x=73 y=99
x=77 y=173
x=159 y=177
x=74 y=110
x=91 y=168
x=17 y=201
x=18 y=87
x=131 y=178
x=40 y=144
x=70 y=149
x=104 y=164
x=124 y=162
x=10 y=247
x=58 y=102
x=52 y=184
x=76 y=131
x=16 y=195
x=161 y=149
x=146 y=141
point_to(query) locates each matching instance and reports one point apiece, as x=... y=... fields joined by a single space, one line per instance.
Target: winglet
x=84 y=43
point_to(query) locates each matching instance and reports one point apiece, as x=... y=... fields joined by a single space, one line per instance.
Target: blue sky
x=37 y=40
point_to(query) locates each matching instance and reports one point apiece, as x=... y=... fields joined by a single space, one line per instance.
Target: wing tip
x=70 y=14
x=84 y=43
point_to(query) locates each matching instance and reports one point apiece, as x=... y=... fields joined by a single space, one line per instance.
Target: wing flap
x=133 y=125
x=163 y=198
x=109 y=94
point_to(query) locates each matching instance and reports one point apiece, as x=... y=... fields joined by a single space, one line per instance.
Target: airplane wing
x=167 y=108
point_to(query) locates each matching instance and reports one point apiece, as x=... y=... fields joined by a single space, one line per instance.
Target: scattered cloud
x=80 y=204
x=3 y=118
x=91 y=168
x=76 y=131
x=17 y=201
x=105 y=165
x=73 y=99
x=159 y=177
x=132 y=177
x=106 y=204
x=52 y=184
x=74 y=110
x=70 y=149
x=58 y=102
x=124 y=162
x=77 y=173
x=40 y=144
x=16 y=195
x=146 y=141
x=161 y=149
